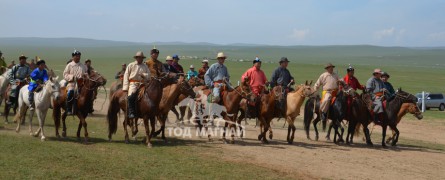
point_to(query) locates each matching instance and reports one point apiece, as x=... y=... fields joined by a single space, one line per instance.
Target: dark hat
x=385 y=74
x=23 y=57
x=41 y=61
x=329 y=65
x=154 y=50
x=257 y=59
x=124 y=64
x=75 y=53
x=88 y=60
x=350 y=68
x=176 y=57
x=284 y=59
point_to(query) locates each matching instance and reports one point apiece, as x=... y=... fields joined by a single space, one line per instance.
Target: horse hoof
x=265 y=142
x=270 y=136
x=85 y=141
x=109 y=140
x=260 y=137
x=149 y=145
x=6 y=122
x=32 y=134
x=63 y=134
x=370 y=144
x=42 y=139
x=384 y=146
x=393 y=144
x=341 y=141
x=232 y=142
x=290 y=142
x=126 y=141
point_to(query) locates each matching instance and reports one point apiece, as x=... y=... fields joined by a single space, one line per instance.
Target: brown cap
x=329 y=65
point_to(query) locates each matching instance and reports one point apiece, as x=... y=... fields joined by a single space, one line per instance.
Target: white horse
x=4 y=82
x=42 y=102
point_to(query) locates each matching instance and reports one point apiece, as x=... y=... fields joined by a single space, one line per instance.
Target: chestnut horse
x=147 y=107
x=193 y=82
x=294 y=101
x=169 y=96
x=269 y=109
x=82 y=105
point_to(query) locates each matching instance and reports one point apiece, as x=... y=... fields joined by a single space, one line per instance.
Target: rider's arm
x=66 y=74
x=126 y=76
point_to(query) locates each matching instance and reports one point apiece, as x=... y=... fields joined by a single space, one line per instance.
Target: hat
x=139 y=54
x=329 y=65
x=23 y=57
x=205 y=61
x=221 y=55
x=385 y=74
x=191 y=67
x=88 y=60
x=75 y=53
x=41 y=61
x=176 y=57
x=154 y=50
x=377 y=71
x=350 y=68
x=169 y=58
x=257 y=59
x=283 y=59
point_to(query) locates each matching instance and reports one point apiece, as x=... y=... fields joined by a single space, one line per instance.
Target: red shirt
x=353 y=82
x=257 y=79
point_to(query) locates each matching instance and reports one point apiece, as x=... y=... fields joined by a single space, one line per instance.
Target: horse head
x=405 y=97
x=306 y=88
x=415 y=111
x=53 y=86
x=185 y=88
x=95 y=79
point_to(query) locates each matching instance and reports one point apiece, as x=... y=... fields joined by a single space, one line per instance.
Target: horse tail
x=308 y=114
x=113 y=110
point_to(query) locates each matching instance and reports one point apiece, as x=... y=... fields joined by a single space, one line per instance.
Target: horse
x=42 y=102
x=7 y=96
x=169 y=95
x=115 y=86
x=83 y=102
x=390 y=116
x=294 y=101
x=184 y=102
x=4 y=82
x=268 y=110
x=150 y=94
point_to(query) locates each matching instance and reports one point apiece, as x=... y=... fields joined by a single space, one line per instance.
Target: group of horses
x=159 y=95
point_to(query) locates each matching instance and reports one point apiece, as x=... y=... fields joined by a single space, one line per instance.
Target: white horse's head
x=53 y=86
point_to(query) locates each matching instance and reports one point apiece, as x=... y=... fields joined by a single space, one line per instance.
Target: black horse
x=360 y=116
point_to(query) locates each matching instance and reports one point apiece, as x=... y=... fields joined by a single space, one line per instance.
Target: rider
x=375 y=86
x=257 y=78
x=154 y=65
x=352 y=82
x=88 y=65
x=38 y=76
x=216 y=75
x=282 y=76
x=389 y=95
x=168 y=66
x=2 y=60
x=73 y=74
x=176 y=64
x=328 y=80
x=192 y=73
x=134 y=76
x=203 y=70
x=120 y=74
x=17 y=78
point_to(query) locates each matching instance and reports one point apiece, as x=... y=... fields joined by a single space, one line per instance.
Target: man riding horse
x=216 y=75
x=376 y=87
x=74 y=73
x=257 y=80
x=38 y=77
x=353 y=83
x=282 y=77
x=328 y=80
x=135 y=74
x=154 y=65
x=17 y=79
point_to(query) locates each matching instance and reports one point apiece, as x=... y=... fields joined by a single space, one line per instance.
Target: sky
x=410 y=23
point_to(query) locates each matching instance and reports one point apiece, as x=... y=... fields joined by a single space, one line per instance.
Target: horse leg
x=226 y=124
x=266 y=128
x=84 y=123
x=391 y=137
x=340 y=139
x=126 y=121
x=41 y=115
x=163 y=128
x=147 y=132
x=396 y=137
x=315 y=128
x=328 y=135
x=31 y=114
x=173 y=109
x=367 y=135
x=64 y=124
x=384 y=127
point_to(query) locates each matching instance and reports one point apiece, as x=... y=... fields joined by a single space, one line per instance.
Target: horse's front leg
x=41 y=115
x=384 y=127
x=147 y=132
x=315 y=128
x=64 y=124
x=126 y=121
x=396 y=136
x=328 y=134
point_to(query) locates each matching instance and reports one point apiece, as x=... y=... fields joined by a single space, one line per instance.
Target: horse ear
x=310 y=83
x=305 y=83
x=400 y=89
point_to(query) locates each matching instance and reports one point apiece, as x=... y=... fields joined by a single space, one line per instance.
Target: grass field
x=25 y=157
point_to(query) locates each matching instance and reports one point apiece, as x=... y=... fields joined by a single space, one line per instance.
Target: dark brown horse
x=170 y=94
x=147 y=107
x=269 y=109
x=83 y=103
x=193 y=82
x=115 y=86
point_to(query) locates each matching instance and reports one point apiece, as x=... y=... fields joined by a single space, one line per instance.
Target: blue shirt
x=281 y=76
x=191 y=74
x=37 y=75
x=216 y=72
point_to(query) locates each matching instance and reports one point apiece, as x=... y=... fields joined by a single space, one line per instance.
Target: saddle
x=140 y=92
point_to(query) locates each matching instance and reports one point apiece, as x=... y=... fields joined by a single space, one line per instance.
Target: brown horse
x=147 y=108
x=269 y=109
x=115 y=86
x=15 y=104
x=169 y=96
x=193 y=82
x=83 y=103
x=294 y=101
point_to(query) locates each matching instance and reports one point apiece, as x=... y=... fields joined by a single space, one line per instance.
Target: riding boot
x=131 y=106
x=31 y=100
x=377 y=119
x=69 y=102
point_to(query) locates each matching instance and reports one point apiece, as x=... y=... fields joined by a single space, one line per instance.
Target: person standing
x=136 y=73
x=328 y=80
x=216 y=76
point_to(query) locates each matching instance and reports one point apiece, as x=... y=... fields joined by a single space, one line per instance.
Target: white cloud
x=438 y=36
x=384 y=33
x=299 y=34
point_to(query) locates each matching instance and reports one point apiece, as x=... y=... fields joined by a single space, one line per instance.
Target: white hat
x=221 y=55
x=169 y=58
x=139 y=54
x=191 y=66
x=205 y=61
